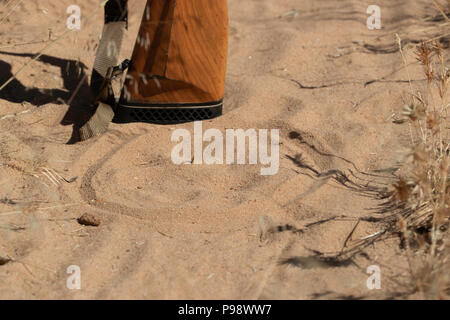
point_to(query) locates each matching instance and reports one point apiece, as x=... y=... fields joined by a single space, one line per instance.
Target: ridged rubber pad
x=166 y=115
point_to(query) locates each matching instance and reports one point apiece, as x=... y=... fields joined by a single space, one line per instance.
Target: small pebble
x=88 y=220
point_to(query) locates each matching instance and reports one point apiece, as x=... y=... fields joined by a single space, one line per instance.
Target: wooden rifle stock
x=178 y=66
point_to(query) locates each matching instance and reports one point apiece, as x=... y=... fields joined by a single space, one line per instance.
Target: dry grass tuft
x=423 y=189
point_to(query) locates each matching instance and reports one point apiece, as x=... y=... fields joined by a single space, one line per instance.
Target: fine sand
x=327 y=82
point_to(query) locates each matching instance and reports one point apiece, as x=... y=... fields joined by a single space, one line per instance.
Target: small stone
x=89 y=220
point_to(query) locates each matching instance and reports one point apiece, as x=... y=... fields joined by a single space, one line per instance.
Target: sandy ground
x=322 y=78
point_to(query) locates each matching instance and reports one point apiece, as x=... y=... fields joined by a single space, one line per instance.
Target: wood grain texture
x=180 y=53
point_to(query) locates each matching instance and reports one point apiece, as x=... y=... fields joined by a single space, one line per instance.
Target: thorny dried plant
x=423 y=189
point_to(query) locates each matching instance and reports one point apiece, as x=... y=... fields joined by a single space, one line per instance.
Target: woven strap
x=116 y=19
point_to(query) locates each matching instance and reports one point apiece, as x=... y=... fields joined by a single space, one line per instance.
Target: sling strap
x=116 y=22
x=105 y=69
